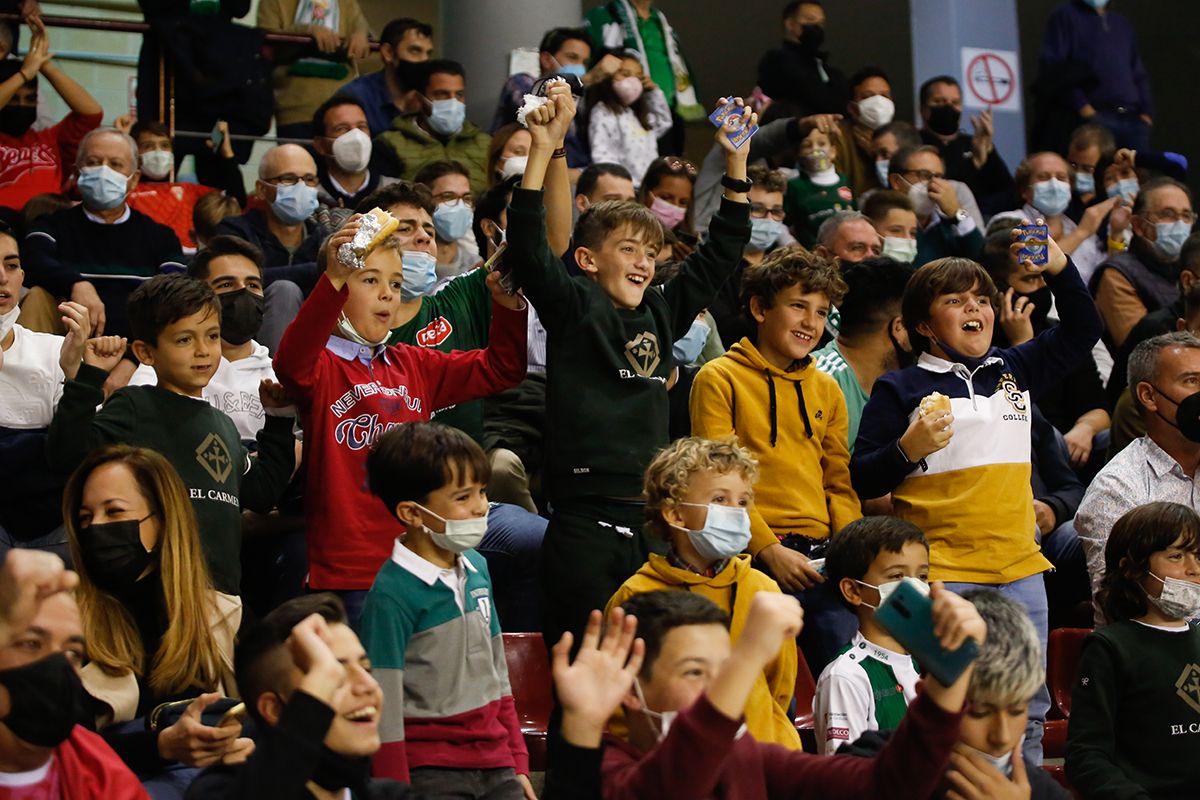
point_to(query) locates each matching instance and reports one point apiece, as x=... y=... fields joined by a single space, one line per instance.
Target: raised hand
x=954 y=619
x=548 y=124
x=39 y=49
x=1094 y=215
x=733 y=123
x=77 y=322
x=84 y=293
x=27 y=578
x=941 y=191
x=1016 y=312
x=337 y=272
x=309 y=645
x=273 y=395
x=982 y=140
x=510 y=300
x=1056 y=261
x=591 y=687
x=772 y=620
x=104 y=352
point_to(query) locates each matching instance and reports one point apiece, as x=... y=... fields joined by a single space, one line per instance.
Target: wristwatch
x=961 y=215
x=735 y=185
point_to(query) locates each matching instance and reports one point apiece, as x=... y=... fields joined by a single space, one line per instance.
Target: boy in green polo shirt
x=869 y=685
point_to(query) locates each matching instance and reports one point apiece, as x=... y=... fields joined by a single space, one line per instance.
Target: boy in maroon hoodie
x=350 y=387
x=685 y=711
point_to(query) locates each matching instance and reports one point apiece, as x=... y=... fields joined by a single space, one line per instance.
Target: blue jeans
x=1031 y=593
x=169 y=783
x=512 y=547
x=1127 y=129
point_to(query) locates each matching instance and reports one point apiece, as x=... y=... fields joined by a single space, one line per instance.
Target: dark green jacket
x=407 y=147
x=200 y=441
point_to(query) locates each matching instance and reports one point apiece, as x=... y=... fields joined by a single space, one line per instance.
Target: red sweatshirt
x=40 y=161
x=349 y=395
x=83 y=767
x=700 y=759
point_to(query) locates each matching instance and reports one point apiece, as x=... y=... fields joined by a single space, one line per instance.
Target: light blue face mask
x=446 y=116
x=764 y=233
x=577 y=70
x=881 y=171
x=294 y=204
x=452 y=220
x=1051 y=197
x=687 y=349
x=1127 y=188
x=726 y=531
x=420 y=274
x=1003 y=764
x=102 y=187
x=1170 y=237
x=1085 y=183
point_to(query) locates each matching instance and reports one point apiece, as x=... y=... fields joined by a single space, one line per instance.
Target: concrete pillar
x=977 y=42
x=481 y=33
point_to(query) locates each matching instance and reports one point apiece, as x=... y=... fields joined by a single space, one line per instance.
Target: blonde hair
x=187 y=656
x=671 y=471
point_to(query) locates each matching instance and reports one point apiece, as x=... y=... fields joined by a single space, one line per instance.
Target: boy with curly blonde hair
x=698 y=493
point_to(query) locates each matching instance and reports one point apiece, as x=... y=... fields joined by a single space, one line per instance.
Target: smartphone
x=907 y=614
x=1035 y=244
x=818 y=564
x=217 y=137
x=495 y=264
x=234 y=714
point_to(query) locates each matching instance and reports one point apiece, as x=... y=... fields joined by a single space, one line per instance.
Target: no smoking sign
x=990 y=79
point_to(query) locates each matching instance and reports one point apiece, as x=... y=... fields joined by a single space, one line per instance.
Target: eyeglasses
x=759 y=211
x=679 y=165
x=924 y=175
x=450 y=197
x=1171 y=215
x=1085 y=168
x=288 y=179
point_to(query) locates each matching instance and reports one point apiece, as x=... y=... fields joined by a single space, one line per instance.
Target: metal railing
x=166 y=76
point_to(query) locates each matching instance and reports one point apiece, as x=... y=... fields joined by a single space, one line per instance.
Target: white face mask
x=513 y=165
x=876 y=111
x=157 y=164
x=1179 y=599
x=348 y=331
x=460 y=535
x=7 y=321
x=902 y=250
x=918 y=195
x=1003 y=763
x=885 y=589
x=352 y=150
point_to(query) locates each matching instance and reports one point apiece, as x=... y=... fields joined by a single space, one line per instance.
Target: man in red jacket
x=44 y=754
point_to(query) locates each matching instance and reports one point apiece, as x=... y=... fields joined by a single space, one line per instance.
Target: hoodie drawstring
x=771 y=394
x=803 y=411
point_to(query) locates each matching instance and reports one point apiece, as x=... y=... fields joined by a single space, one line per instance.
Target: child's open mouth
x=636 y=280
x=364 y=714
x=802 y=336
x=973 y=326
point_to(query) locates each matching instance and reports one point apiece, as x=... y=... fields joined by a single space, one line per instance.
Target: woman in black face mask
x=156 y=629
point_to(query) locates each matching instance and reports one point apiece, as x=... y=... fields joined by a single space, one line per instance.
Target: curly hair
x=771 y=180
x=1139 y=534
x=787 y=267
x=671 y=471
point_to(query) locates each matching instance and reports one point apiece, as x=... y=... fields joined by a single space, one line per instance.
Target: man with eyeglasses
x=1144 y=278
x=453 y=213
x=945 y=228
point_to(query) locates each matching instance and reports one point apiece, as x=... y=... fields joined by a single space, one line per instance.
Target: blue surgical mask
x=577 y=70
x=1003 y=764
x=1170 y=237
x=102 y=187
x=726 y=531
x=764 y=233
x=452 y=220
x=1051 y=197
x=294 y=204
x=1126 y=188
x=420 y=274
x=881 y=171
x=446 y=116
x=687 y=349
x=1085 y=183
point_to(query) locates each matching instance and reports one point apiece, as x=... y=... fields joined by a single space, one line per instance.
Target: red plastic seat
x=1054 y=739
x=1062 y=667
x=532 y=688
x=806 y=691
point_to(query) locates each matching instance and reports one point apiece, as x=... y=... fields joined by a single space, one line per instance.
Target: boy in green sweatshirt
x=609 y=359
x=176 y=324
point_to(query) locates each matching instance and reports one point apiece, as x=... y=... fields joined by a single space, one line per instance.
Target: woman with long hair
x=156 y=629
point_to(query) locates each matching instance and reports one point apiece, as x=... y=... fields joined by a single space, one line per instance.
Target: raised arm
x=74 y=95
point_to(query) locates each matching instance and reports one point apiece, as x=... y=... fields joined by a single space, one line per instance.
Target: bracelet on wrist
x=559 y=152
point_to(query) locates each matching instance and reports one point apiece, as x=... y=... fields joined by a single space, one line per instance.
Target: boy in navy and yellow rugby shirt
x=430 y=627
x=962 y=475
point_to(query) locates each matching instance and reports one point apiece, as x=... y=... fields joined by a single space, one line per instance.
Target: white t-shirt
x=233 y=388
x=856 y=689
x=31 y=382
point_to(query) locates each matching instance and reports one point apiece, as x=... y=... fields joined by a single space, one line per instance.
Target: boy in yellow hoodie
x=792 y=418
x=697 y=495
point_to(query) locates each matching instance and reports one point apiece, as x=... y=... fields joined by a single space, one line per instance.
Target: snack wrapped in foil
x=374 y=226
x=535 y=101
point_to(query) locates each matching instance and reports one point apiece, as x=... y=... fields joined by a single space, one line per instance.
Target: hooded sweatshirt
x=796 y=425
x=732 y=589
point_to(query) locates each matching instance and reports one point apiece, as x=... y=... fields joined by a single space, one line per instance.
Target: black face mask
x=408 y=73
x=241 y=315
x=812 y=37
x=904 y=358
x=113 y=554
x=1187 y=414
x=15 y=120
x=46 y=698
x=336 y=772
x=1041 y=299
x=943 y=120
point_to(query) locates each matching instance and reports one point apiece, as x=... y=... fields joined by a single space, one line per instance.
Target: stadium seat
x=1054 y=739
x=1062 y=657
x=532 y=688
x=806 y=691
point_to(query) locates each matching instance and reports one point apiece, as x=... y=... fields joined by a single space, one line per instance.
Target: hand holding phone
x=940 y=629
